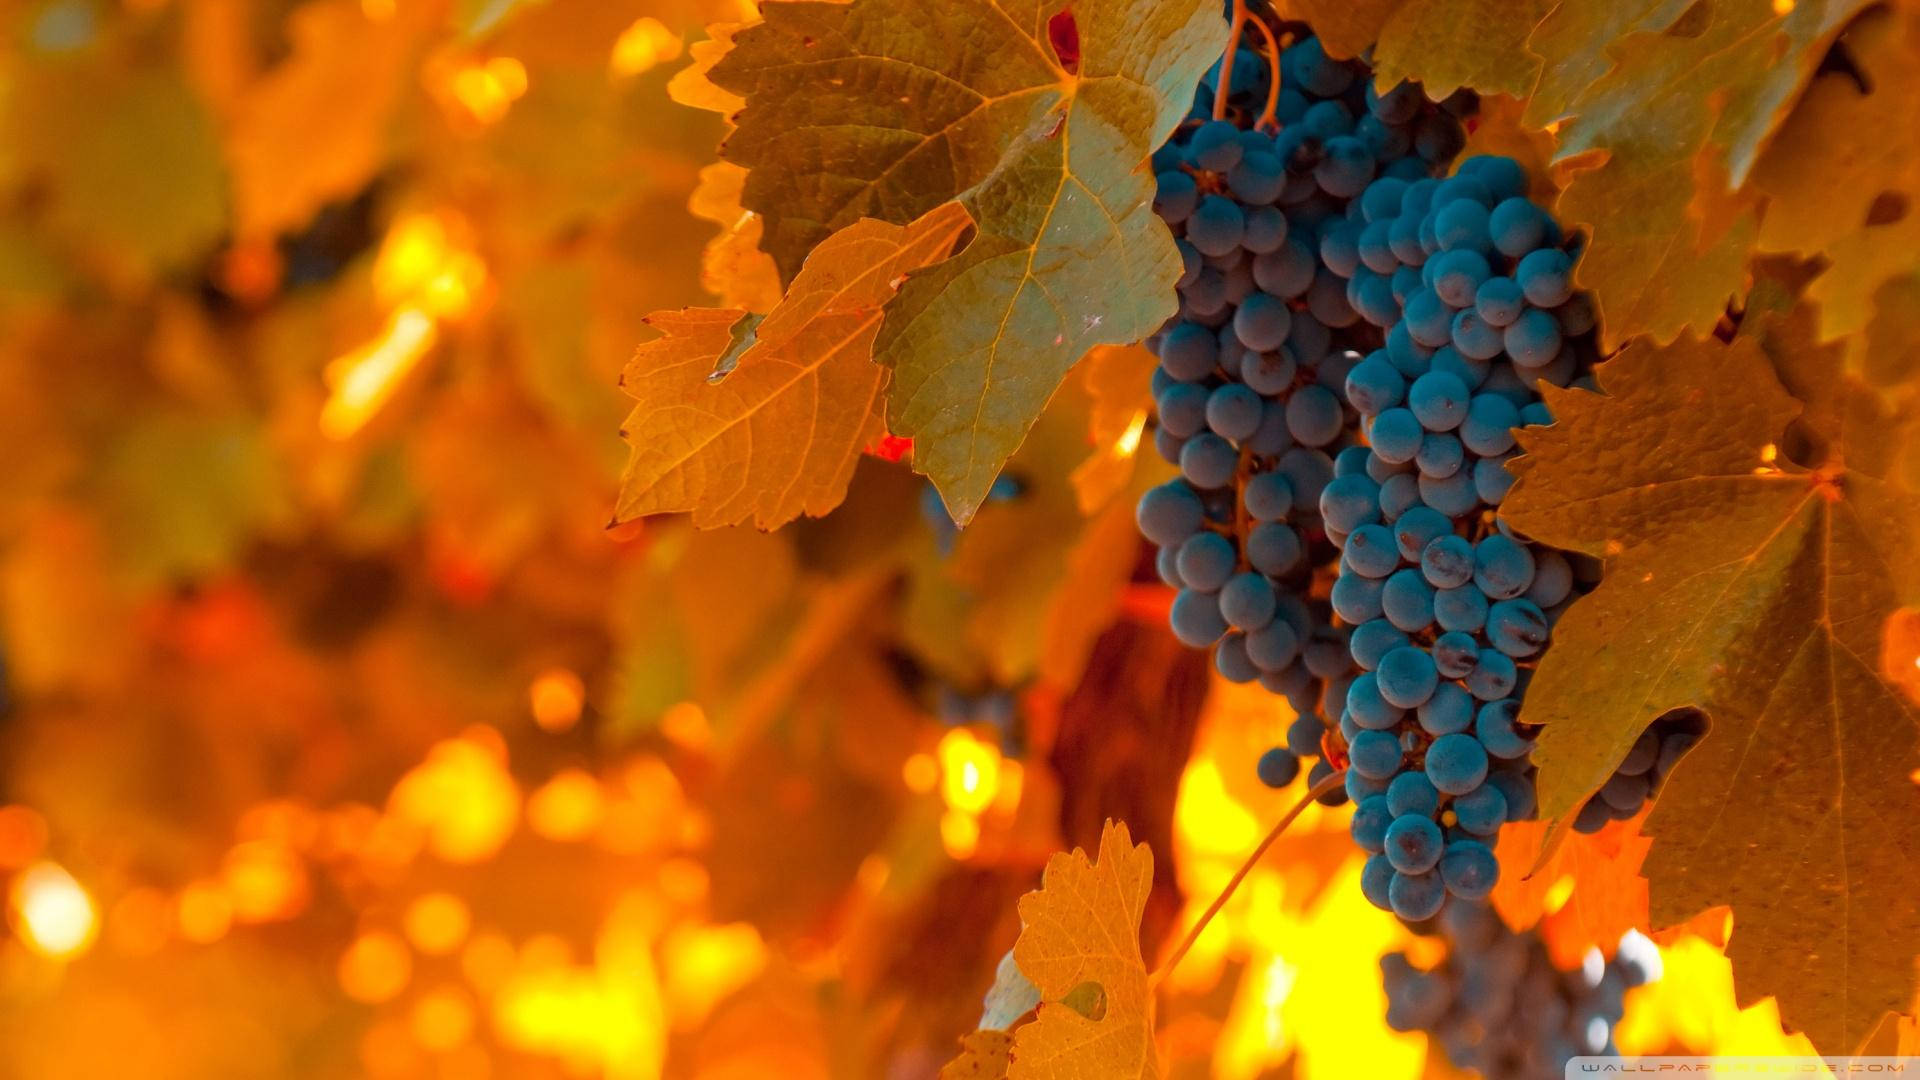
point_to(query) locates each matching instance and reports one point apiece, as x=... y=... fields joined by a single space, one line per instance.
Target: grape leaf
x=870 y=109
x=1755 y=588
x=1608 y=896
x=1577 y=43
x=1447 y=44
x=733 y=267
x=778 y=435
x=983 y=1056
x=1679 y=120
x=314 y=129
x=1081 y=927
x=1842 y=179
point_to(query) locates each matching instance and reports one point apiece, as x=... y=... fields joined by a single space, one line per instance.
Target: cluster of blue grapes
x=1252 y=368
x=1498 y=1005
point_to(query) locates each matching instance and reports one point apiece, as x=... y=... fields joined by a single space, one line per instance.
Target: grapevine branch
x=1240 y=875
x=1225 y=88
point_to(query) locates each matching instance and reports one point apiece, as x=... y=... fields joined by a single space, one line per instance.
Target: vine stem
x=1225 y=88
x=1240 y=875
x=1269 y=117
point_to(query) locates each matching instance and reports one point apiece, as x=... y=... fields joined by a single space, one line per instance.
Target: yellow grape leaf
x=777 y=435
x=1083 y=927
x=1755 y=588
x=1118 y=380
x=984 y=1055
x=1891 y=350
x=733 y=267
x=1578 y=43
x=1586 y=894
x=869 y=109
x=1448 y=44
x=314 y=129
x=693 y=85
x=1679 y=120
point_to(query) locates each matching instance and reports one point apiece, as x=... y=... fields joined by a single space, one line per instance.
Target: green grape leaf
x=739 y=417
x=1757 y=539
x=886 y=108
x=1678 y=121
x=1448 y=44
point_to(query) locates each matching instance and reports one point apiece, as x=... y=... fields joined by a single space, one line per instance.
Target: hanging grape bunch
x=1248 y=391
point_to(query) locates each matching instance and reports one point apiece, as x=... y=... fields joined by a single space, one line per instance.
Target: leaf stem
x=1269 y=117
x=1225 y=88
x=1240 y=875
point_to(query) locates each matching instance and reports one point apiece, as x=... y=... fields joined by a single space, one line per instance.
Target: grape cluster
x=1252 y=368
x=1498 y=1005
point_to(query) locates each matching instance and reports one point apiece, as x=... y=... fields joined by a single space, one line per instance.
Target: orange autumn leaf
x=1585 y=895
x=984 y=1055
x=1080 y=941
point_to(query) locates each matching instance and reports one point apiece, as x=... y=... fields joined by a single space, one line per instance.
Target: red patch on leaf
x=1063 y=33
x=891 y=448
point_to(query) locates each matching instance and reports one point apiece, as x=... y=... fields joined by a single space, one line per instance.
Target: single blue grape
x=1406 y=675
x=1303 y=735
x=1545 y=276
x=1488 y=428
x=1455 y=652
x=1491 y=480
x=1175 y=197
x=1247 y=601
x=1503 y=177
x=1449 y=710
x=1534 y=338
x=1273 y=646
x=1327 y=300
x=1233 y=410
x=1208 y=461
x=1502 y=567
x=1493 y=677
x=1576 y=315
x=1395 y=435
x=1339 y=246
x=1216 y=226
x=1376 y=877
x=1314 y=416
x=1216 y=145
x=1356 y=599
x=1413 y=793
x=1462 y=610
x=1375 y=385
x=1447 y=561
x=1417 y=896
x=1499 y=301
x=1438 y=400
x=1183 y=409
x=1266 y=230
x=1374 y=754
x=1274 y=548
x=1413 y=843
x=1166 y=564
x=1375 y=246
x=1407 y=600
x=1536 y=414
x=1277 y=767
x=1195 y=618
x=1268 y=497
x=1372 y=296
x=1517 y=226
x=1552 y=579
x=1398 y=494
x=1327 y=119
x=1257 y=179
x=1517 y=627
x=1372 y=640
x=1350 y=461
x=1428 y=318
x=1169 y=513
x=1440 y=455
x=1406 y=281
x=1403 y=238
x=1494 y=726
x=1286 y=271
x=1456 y=763
x=1231 y=661
x=1367 y=708
x=1417 y=528
x=1408 y=356
x=1418 y=198
x=1460 y=224
x=1474 y=336
x=1349 y=502
x=1320 y=771
x=1457 y=274
x=1206 y=561
x=1168 y=445
x=1269 y=373
x=1262 y=322
x=1345 y=168
x=1453 y=495
x=1469 y=869
x=1481 y=811
x=1189 y=352
x=1369 y=823
x=1371 y=551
